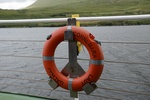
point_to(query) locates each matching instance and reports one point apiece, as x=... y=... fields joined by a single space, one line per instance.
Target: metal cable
x=21 y=56
x=24 y=79
x=124 y=81
x=101 y=96
x=125 y=62
x=116 y=42
x=21 y=71
x=131 y=92
x=118 y=90
x=115 y=80
x=22 y=40
x=108 y=61
x=126 y=42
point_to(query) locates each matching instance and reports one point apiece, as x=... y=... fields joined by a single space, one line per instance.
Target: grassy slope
x=52 y=3
x=95 y=7
x=64 y=8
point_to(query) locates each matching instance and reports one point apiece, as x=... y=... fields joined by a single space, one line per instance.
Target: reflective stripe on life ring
x=96 y=62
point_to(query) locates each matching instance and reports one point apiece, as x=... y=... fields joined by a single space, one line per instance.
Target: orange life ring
x=95 y=52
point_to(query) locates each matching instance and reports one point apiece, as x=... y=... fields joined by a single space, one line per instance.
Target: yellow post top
x=76 y=16
x=77 y=24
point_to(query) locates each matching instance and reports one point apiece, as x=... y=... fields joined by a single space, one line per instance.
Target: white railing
x=102 y=18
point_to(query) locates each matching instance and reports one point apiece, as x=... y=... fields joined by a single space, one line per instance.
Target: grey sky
x=3 y=1
x=15 y=4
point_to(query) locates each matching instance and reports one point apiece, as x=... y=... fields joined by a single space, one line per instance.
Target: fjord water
x=22 y=71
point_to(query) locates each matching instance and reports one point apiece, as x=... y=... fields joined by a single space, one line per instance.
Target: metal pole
x=114 y=18
x=102 y=18
x=44 y=20
x=77 y=24
x=71 y=68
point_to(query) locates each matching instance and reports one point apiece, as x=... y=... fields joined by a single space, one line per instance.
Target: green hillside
x=53 y=3
x=94 y=7
x=64 y=8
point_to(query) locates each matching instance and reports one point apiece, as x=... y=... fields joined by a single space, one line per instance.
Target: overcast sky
x=15 y=4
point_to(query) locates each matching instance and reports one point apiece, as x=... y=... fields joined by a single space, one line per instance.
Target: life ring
x=95 y=52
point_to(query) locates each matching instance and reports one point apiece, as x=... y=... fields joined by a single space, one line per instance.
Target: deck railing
x=102 y=18
x=106 y=18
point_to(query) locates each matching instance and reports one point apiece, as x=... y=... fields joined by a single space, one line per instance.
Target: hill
x=52 y=3
x=64 y=8
x=94 y=7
